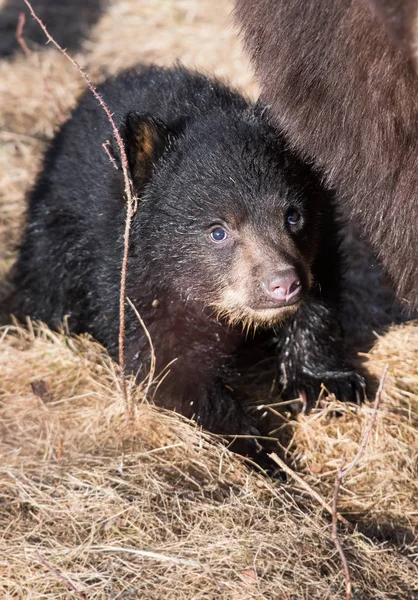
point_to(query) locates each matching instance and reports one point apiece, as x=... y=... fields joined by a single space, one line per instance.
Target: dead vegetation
x=156 y=508
x=95 y=505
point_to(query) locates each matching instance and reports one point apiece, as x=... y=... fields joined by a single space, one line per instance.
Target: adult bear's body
x=347 y=96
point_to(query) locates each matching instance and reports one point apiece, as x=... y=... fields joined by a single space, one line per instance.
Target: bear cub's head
x=227 y=215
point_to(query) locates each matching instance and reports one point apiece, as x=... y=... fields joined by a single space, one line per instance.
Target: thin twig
x=305 y=486
x=341 y=473
x=29 y=54
x=150 y=376
x=67 y=582
x=336 y=540
x=369 y=427
x=130 y=202
x=105 y=147
x=19 y=34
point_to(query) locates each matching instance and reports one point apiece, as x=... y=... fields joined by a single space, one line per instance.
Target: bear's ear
x=145 y=138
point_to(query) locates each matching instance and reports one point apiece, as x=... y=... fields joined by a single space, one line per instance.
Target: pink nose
x=283 y=286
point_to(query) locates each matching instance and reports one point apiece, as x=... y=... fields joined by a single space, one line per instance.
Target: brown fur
x=400 y=18
x=348 y=98
x=236 y=285
x=145 y=145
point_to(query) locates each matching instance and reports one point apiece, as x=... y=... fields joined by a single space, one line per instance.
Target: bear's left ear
x=145 y=138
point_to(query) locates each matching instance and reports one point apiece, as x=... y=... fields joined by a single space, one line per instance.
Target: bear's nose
x=282 y=286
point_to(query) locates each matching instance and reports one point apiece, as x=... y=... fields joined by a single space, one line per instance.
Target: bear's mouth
x=258 y=311
x=275 y=306
x=268 y=316
x=252 y=317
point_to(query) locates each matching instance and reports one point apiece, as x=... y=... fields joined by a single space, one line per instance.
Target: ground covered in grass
x=98 y=505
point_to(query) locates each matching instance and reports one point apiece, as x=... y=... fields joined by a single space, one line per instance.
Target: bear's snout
x=282 y=287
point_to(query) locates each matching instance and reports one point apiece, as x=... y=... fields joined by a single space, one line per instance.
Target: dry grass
x=90 y=494
x=153 y=508
x=383 y=491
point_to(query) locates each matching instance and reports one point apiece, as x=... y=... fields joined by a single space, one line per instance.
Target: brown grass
x=95 y=506
x=91 y=494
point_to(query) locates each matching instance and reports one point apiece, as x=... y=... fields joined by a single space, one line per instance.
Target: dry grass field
x=96 y=506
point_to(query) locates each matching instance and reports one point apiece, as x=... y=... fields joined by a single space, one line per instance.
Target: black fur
x=199 y=155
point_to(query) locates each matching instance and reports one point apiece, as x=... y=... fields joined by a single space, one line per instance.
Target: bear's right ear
x=145 y=138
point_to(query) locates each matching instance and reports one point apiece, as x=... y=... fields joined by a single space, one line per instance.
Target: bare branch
x=335 y=538
x=370 y=426
x=130 y=201
x=341 y=473
x=19 y=34
x=305 y=486
x=150 y=376
x=105 y=147
x=29 y=54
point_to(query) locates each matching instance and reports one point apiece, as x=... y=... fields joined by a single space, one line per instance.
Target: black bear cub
x=232 y=233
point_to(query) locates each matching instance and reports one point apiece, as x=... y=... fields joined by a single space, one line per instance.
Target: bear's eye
x=218 y=235
x=293 y=217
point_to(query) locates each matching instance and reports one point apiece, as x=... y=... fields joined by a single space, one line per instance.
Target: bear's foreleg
x=310 y=351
